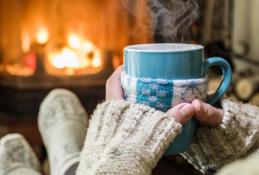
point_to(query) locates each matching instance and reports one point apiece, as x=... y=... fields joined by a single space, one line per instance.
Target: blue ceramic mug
x=164 y=75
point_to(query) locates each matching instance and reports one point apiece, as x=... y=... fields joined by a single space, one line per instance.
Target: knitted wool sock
x=62 y=123
x=162 y=94
x=17 y=157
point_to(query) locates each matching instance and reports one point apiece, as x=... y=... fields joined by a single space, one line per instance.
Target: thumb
x=182 y=113
x=207 y=114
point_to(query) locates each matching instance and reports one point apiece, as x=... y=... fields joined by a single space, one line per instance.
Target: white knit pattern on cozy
x=162 y=94
x=237 y=136
x=62 y=123
x=17 y=157
x=125 y=139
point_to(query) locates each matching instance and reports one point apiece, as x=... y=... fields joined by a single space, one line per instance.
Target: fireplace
x=50 y=44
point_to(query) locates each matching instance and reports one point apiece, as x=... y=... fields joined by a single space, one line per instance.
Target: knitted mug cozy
x=160 y=93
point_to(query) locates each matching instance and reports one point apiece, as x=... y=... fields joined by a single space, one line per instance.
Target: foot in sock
x=17 y=157
x=62 y=123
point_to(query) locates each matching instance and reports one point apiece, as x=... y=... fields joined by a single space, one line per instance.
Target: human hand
x=206 y=113
x=182 y=113
x=203 y=112
x=113 y=86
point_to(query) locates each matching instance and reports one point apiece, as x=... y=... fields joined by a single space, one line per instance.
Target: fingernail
x=197 y=105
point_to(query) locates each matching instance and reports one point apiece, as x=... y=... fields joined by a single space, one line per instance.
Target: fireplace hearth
x=23 y=95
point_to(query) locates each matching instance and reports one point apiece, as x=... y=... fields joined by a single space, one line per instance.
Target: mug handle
x=227 y=77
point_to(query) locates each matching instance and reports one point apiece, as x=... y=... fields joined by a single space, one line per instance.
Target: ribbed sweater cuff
x=126 y=138
x=238 y=133
x=158 y=125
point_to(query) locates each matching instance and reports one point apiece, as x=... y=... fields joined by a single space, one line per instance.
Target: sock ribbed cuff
x=21 y=170
x=69 y=161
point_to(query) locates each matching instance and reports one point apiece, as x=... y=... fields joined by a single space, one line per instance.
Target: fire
x=97 y=59
x=24 y=68
x=87 y=46
x=74 y=41
x=76 y=57
x=67 y=58
x=80 y=55
x=42 y=35
x=26 y=42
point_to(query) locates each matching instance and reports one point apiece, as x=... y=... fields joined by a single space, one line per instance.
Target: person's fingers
x=113 y=86
x=182 y=113
x=117 y=73
x=207 y=114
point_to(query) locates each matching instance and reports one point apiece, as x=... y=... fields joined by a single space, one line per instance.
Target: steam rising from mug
x=171 y=19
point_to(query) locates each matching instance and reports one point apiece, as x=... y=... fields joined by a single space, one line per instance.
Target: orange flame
x=74 y=41
x=26 y=42
x=42 y=35
x=79 y=56
x=67 y=58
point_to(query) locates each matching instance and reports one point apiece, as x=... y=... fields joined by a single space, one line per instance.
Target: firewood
x=255 y=99
x=246 y=87
x=233 y=97
x=213 y=84
x=235 y=78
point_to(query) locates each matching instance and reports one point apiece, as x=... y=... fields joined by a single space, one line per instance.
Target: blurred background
x=47 y=44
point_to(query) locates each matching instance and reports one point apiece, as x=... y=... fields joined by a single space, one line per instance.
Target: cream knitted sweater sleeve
x=126 y=139
x=237 y=136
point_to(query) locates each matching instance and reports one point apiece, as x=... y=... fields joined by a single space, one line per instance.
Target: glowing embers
x=25 y=67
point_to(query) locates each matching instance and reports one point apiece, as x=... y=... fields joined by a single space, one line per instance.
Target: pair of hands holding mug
x=182 y=113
